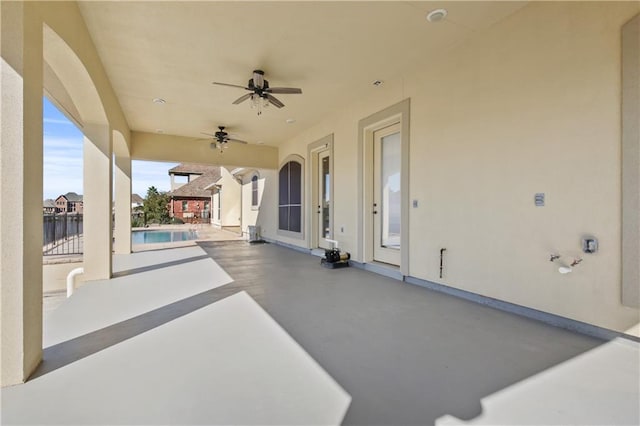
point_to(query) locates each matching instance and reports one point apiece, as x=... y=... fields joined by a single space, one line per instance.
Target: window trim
x=283 y=232
x=255 y=176
x=219 y=206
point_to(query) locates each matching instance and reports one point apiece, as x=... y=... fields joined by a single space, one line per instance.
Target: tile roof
x=196 y=188
x=135 y=198
x=191 y=169
x=49 y=203
x=72 y=196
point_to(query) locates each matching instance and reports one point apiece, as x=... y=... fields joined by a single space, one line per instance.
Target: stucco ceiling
x=332 y=50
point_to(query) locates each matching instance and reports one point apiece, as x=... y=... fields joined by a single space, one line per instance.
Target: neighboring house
x=191 y=201
x=49 y=206
x=185 y=173
x=136 y=201
x=69 y=203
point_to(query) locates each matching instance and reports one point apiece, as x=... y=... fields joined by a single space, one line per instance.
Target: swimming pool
x=152 y=237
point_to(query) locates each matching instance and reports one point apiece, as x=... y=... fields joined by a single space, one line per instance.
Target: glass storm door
x=324 y=199
x=387 y=195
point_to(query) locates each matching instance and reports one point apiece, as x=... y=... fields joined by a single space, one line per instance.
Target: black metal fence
x=62 y=234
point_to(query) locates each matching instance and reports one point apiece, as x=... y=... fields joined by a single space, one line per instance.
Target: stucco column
x=97 y=201
x=122 y=231
x=20 y=191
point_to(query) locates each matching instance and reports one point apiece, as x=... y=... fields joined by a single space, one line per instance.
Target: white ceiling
x=332 y=50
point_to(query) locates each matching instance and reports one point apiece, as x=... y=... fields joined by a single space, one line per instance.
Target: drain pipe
x=71 y=280
x=334 y=242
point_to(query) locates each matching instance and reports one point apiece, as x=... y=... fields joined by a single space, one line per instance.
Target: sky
x=63 y=160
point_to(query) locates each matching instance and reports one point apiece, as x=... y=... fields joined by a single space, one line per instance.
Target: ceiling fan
x=261 y=94
x=221 y=138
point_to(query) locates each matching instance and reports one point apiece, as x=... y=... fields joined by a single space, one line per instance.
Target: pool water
x=152 y=237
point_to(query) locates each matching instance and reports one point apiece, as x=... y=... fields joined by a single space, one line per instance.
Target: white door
x=387 y=195
x=324 y=199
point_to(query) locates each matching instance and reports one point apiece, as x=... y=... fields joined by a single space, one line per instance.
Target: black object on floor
x=334 y=265
x=334 y=259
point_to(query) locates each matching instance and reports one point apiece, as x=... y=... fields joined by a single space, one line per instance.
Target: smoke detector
x=437 y=15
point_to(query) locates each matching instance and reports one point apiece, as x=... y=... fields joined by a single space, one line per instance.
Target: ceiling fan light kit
x=261 y=93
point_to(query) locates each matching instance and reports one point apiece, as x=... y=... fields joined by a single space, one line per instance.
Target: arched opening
x=69 y=85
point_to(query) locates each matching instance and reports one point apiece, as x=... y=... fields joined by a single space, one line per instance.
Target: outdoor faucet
x=576 y=261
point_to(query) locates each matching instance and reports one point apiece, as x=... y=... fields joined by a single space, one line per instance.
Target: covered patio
x=479 y=161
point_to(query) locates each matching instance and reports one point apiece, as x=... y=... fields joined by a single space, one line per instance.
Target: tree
x=156 y=206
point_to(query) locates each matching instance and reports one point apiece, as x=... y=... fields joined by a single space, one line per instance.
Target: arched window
x=254 y=191
x=290 y=199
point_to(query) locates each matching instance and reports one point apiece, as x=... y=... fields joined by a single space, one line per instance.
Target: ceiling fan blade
x=237 y=141
x=258 y=79
x=284 y=90
x=208 y=134
x=230 y=85
x=242 y=98
x=275 y=101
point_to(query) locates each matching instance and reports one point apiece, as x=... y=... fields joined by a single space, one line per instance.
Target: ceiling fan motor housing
x=259 y=91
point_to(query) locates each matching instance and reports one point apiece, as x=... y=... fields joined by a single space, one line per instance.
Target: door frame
x=399 y=112
x=381 y=253
x=313 y=151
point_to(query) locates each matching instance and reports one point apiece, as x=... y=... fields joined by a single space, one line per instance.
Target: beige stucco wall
x=631 y=163
x=160 y=147
x=250 y=214
x=230 y=198
x=267 y=215
x=522 y=108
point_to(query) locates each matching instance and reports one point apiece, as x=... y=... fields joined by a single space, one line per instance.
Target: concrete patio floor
x=57 y=267
x=176 y=337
